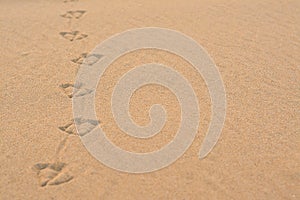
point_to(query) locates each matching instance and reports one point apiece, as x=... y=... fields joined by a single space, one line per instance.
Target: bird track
x=87 y=59
x=52 y=173
x=56 y=173
x=72 y=90
x=73 y=14
x=85 y=126
x=73 y=35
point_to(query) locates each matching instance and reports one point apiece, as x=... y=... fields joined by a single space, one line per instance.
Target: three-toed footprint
x=88 y=59
x=73 y=35
x=84 y=126
x=72 y=90
x=73 y=14
x=52 y=173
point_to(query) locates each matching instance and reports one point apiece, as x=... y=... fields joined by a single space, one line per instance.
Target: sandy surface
x=255 y=45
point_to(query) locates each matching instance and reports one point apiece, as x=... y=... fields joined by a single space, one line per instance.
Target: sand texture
x=254 y=43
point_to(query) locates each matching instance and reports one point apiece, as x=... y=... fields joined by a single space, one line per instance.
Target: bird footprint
x=84 y=126
x=88 y=59
x=73 y=14
x=51 y=173
x=69 y=128
x=73 y=35
x=72 y=90
x=68 y=89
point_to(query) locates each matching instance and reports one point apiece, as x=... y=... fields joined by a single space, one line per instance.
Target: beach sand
x=254 y=44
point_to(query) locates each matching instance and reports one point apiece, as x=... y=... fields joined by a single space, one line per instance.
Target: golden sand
x=255 y=45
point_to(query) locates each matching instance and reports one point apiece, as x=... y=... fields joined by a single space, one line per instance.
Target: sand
x=255 y=45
